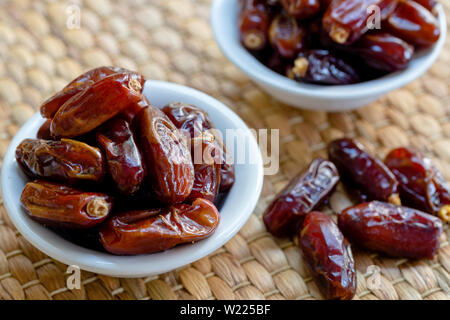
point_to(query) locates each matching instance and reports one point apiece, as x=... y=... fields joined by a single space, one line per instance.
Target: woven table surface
x=171 y=40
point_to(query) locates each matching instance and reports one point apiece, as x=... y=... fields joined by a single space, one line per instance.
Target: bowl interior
x=235 y=210
x=224 y=15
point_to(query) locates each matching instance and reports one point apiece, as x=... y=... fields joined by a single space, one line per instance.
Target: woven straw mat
x=171 y=40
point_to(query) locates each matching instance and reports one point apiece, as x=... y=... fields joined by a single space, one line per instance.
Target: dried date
x=329 y=256
x=254 y=22
x=286 y=36
x=123 y=159
x=360 y=169
x=149 y=231
x=44 y=131
x=303 y=194
x=394 y=230
x=57 y=205
x=66 y=160
x=301 y=9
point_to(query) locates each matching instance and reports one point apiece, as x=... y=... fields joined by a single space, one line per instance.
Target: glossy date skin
x=422 y=186
x=166 y=157
x=302 y=195
x=44 y=131
x=149 y=231
x=57 y=205
x=66 y=160
x=329 y=256
x=393 y=230
x=346 y=20
x=286 y=36
x=322 y=67
x=427 y=4
x=254 y=22
x=51 y=106
x=123 y=159
x=97 y=104
x=413 y=23
x=360 y=169
x=301 y=9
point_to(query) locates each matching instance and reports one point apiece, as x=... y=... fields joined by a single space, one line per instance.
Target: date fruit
x=167 y=159
x=414 y=24
x=394 y=230
x=301 y=9
x=149 y=231
x=347 y=20
x=95 y=105
x=359 y=169
x=302 y=195
x=422 y=186
x=57 y=205
x=51 y=106
x=124 y=161
x=44 y=131
x=67 y=160
x=329 y=256
x=254 y=22
x=322 y=67
x=286 y=36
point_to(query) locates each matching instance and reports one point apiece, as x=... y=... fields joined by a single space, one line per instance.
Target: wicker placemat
x=171 y=40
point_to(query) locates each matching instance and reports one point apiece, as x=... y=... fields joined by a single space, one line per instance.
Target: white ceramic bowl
x=236 y=209
x=224 y=15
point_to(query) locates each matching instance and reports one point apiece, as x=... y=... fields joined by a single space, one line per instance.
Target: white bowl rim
x=241 y=58
x=141 y=265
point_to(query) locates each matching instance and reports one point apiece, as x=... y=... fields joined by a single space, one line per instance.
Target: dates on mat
x=360 y=169
x=390 y=229
x=57 y=205
x=303 y=194
x=422 y=186
x=153 y=230
x=328 y=255
x=66 y=160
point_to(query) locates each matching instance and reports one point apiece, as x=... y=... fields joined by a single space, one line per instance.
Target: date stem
x=97 y=208
x=395 y=199
x=253 y=40
x=300 y=67
x=444 y=213
x=339 y=34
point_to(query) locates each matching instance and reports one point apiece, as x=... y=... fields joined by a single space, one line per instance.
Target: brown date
x=57 y=205
x=329 y=256
x=303 y=194
x=51 y=106
x=44 y=131
x=286 y=36
x=67 y=160
x=322 y=67
x=123 y=159
x=149 y=231
x=390 y=229
x=167 y=159
x=360 y=169
x=414 y=24
x=346 y=20
x=428 y=4
x=301 y=9
x=254 y=21
x=97 y=104
x=422 y=186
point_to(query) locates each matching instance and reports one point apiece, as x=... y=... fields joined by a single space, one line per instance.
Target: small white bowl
x=236 y=209
x=224 y=16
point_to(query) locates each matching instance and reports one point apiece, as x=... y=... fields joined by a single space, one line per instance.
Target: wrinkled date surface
x=96 y=105
x=254 y=21
x=346 y=20
x=422 y=186
x=329 y=256
x=384 y=51
x=286 y=36
x=413 y=23
x=322 y=67
x=52 y=105
x=167 y=158
x=66 y=160
x=61 y=206
x=303 y=194
x=359 y=169
x=150 y=231
x=390 y=229
x=301 y=9
x=124 y=161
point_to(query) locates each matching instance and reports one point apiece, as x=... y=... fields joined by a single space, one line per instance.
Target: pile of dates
x=336 y=42
x=401 y=204
x=112 y=171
